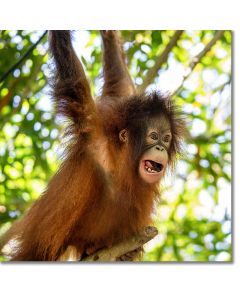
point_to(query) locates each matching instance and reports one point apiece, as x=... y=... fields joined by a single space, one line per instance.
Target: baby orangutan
x=120 y=147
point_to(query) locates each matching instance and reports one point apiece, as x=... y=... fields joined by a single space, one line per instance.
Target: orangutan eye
x=167 y=138
x=154 y=136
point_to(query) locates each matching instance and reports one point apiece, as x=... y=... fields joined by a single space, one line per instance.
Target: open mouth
x=151 y=171
x=152 y=166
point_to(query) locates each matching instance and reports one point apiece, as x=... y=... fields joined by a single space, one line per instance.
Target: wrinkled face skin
x=153 y=162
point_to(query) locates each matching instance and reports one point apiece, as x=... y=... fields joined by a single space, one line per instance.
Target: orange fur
x=96 y=198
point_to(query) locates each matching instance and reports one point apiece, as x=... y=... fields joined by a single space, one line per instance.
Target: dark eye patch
x=167 y=138
x=154 y=136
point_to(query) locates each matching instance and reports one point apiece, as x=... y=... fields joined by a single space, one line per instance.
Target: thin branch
x=24 y=94
x=4 y=76
x=197 y=58
x=222 y=86
x=124 y=247
x=151 y=74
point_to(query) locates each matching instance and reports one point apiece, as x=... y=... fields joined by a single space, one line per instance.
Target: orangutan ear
x=123 y=136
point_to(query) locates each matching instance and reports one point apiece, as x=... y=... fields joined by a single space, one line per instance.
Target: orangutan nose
x=160 y=148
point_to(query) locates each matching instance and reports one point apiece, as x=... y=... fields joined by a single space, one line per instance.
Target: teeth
x=150 y=170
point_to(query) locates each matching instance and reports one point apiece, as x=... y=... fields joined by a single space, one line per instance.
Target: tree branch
x=124 y=247
x=222 y=86
x=197 y=58
x=24 y=93
x=4 y=76
x=151 y=74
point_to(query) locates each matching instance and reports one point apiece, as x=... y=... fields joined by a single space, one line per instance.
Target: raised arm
x=117 y=81
x=71 y=90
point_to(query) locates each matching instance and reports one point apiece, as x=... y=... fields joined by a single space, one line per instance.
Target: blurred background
x=194 y=214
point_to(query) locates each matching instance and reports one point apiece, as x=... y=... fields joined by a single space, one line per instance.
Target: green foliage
x=194 y=214
x=27 y=127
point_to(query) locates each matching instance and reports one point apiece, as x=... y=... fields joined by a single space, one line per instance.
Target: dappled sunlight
x=194 y=213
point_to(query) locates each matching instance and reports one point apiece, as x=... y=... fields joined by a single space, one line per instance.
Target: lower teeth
x=150 y=170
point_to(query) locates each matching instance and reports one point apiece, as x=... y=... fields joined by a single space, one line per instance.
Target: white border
x=124 y=14
x=144 y=281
